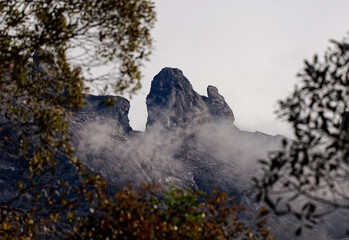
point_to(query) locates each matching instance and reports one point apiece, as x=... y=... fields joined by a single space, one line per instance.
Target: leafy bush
x=152 y=213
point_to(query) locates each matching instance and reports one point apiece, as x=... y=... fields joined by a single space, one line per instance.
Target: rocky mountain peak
x=172 y=102
x=217 y=106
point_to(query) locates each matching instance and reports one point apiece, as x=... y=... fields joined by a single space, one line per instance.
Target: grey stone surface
x=217 y=106
x=172 y=101
x=95 y=108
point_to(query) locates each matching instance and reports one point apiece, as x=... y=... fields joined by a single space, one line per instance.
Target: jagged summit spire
x=218 y=107
x=171 y=73
x=172 y=102
x=167 y=79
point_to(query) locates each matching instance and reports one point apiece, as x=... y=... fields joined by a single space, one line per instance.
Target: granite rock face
x=172 y=102
x=96 y=109
x=217 y=106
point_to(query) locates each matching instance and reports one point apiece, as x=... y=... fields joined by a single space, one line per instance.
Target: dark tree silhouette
x=309 y=177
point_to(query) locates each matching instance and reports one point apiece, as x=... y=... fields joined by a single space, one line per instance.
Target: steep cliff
x=172 y=102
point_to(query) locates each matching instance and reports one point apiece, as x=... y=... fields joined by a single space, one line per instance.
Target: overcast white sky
x=250 y=49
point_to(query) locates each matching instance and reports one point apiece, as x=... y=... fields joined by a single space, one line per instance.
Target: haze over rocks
x=190 y=140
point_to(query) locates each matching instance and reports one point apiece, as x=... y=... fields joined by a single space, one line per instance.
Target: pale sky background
x=251 y=50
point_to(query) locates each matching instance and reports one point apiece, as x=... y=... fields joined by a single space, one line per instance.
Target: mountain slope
x=190 y=140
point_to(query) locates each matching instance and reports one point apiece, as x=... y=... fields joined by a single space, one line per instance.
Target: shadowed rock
x=345 y=122
x=217 y=106
x=95 y=108
x=173 y=103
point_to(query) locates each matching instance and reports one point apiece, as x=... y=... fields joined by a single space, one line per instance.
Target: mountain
x=172 y=102
x=190 y=140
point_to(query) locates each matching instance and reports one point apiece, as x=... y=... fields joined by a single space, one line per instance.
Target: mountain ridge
x=190 y=141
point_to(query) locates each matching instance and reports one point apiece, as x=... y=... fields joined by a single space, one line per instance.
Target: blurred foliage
x=46 y=49
x=152 y=213
x=309 y=177
x=113 y=33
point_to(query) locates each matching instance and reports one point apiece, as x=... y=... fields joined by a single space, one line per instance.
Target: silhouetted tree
x=309 y=177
